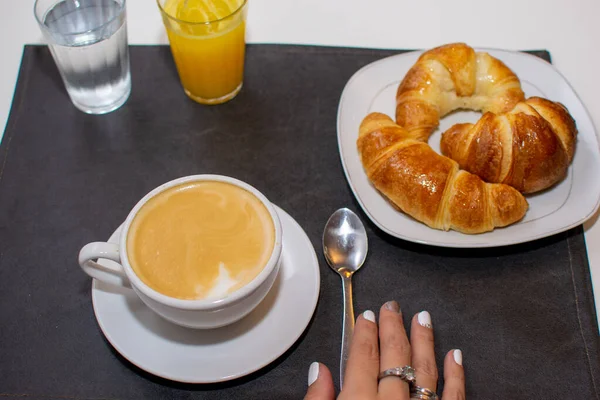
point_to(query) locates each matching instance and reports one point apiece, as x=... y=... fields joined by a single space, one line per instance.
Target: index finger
x=363 y=362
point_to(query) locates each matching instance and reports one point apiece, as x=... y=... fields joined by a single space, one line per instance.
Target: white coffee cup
x=203 y=313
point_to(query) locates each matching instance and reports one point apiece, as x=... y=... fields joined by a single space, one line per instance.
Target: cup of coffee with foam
x=201 y=251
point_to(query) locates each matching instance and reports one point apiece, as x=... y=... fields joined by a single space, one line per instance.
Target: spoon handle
x=348 y=324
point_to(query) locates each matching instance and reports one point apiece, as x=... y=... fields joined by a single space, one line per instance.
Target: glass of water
x=88 y=40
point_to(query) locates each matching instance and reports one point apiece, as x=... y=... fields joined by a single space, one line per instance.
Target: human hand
x=375 y=349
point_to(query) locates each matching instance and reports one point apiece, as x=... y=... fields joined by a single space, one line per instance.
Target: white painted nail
x=424 y=319
x=313 y=373
x=369 y=315
x=457 y=356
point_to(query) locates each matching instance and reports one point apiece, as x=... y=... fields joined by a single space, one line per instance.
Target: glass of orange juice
x=208 y=44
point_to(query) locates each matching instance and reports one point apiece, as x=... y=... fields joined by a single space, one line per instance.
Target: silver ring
x=421 y=393
x=406 y=373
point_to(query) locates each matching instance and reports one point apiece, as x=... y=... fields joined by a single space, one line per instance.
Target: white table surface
x=570 y=30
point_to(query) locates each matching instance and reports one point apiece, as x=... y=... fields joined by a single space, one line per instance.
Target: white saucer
x=205 y=356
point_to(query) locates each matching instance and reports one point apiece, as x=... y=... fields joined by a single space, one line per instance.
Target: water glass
x=88 y=41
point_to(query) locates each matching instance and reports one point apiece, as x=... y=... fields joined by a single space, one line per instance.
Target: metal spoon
x=345 y=246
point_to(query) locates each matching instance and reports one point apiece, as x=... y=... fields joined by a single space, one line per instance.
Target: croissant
x=526 y=144
x=450 y=77
x=430 y=187
x=529 y=148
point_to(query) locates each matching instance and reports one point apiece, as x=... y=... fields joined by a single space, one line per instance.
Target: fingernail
x=369 y=315
x=424 y=319
x=313 y=373
x=457 y=356
x=393 y=305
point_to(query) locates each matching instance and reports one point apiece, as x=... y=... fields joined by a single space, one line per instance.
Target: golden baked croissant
x=529 y=148
x=430 y=187
x=526 y=144
x=450 y=77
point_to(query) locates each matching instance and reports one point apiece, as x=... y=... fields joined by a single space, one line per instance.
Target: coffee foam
x=221 y=286
x=200 y=240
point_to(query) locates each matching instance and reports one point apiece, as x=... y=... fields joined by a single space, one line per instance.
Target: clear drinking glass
x=88 y=40
x=208 y=42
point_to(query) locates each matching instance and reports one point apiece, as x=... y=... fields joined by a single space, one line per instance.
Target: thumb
x=320 y=383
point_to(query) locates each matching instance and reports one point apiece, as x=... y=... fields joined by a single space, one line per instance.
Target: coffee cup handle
x=112 y=273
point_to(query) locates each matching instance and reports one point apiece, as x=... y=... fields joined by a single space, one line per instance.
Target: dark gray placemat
x=523 y=315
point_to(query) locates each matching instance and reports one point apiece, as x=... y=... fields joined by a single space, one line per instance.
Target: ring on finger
x=406 y=373
x=421 y=393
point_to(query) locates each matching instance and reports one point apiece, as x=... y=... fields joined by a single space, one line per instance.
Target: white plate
x=204 y=356
x=568 y=204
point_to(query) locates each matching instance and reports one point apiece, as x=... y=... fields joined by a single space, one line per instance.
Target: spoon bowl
x=345 y=241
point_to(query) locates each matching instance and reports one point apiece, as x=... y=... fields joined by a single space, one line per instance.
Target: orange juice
x=208 y=44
